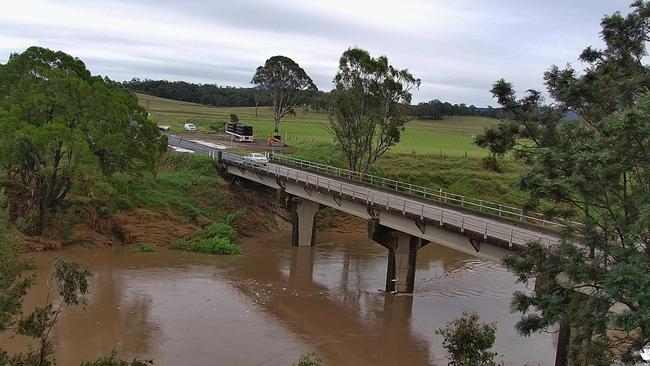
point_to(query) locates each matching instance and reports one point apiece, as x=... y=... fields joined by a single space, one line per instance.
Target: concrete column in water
x=303 y=213
x=402 y=255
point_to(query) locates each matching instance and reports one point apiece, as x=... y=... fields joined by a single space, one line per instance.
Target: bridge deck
x=396 y=203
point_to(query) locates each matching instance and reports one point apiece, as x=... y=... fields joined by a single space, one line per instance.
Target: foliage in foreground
x=596 y=291
x=214 y=239
x=309 y=359
x=468 y=342
x=112 y=360
x=69 y=281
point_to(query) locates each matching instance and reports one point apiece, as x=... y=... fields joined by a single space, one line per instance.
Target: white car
x=190 y=127
x=257 y=158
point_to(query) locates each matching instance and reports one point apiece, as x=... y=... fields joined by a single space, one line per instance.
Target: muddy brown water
x=275 y=302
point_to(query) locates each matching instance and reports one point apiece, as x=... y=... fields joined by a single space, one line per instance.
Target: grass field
x=451 y=136
x=434 y=154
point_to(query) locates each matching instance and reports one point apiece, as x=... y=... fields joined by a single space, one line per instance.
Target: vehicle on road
x=257 y=159
x=189 y=127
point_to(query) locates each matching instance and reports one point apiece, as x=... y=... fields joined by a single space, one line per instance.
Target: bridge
x=401 y=217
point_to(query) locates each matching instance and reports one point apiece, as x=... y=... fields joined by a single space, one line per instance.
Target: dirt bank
x=257 y=206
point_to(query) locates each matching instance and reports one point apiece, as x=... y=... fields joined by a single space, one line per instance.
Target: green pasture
x=451 y=136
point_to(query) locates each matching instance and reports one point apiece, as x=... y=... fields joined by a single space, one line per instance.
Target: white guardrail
x=438 y=195
x=489 y=228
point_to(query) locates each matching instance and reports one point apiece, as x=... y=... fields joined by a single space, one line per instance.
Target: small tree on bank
x=69 y=281
x=468 y=342
x=287 y=84
x=370 y=102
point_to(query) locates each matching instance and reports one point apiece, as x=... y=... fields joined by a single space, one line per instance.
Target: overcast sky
x=458 y=48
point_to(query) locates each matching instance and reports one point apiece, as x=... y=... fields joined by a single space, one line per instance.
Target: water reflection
x=275 y=302
x=333 y=321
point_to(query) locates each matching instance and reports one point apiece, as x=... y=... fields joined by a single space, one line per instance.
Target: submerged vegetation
x=144 y=248
x=214 y=239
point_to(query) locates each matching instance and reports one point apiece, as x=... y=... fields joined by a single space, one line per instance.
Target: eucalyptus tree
x=596 y=170
x=287 y=84
x=370 y=106
x=59 y=125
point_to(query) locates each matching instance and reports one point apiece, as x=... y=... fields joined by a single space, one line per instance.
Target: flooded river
x=275 y=302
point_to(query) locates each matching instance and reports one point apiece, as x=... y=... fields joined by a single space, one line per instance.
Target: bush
x=222 y=231
x=490 y=162
x=217 y=126
x=112 y=360
x=145 y=248
x=309 y=359
x=214 y=239
x=468 y=342
x=207 y=246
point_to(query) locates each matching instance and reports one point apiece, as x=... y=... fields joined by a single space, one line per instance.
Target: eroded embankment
x=186 y=195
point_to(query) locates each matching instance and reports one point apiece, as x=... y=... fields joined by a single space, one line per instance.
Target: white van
x=190 y=127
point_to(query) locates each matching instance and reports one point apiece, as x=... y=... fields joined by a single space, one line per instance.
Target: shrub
x=468 y=342
x=217 y=126
x=309 y=359
x=223 y=231
x=214 y=239
x=207 y=246
x=490 y=162
x=145 y=248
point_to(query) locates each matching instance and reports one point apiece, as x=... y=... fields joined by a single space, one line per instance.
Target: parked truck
x=239 y=131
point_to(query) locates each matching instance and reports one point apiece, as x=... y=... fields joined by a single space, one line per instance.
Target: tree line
x=318 y=101
x=436 y=110
x=208 y=94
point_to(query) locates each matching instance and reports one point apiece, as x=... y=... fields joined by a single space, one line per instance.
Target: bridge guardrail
x=440 y=195
x=511 y=234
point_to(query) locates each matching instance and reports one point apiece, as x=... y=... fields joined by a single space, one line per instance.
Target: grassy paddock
x=454 y=173
x=451 y=136
x=434 y=154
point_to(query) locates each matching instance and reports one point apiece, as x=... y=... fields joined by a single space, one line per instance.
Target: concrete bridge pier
x=402 y=255
x=302 y=213
x=301 y=269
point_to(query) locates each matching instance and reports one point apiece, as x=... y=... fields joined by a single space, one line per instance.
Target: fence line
x=489 y=228
x=438 y=195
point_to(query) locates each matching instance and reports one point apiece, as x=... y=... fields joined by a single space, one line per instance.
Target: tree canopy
x=596 y=287
x=436 y=109
x=370 y=102
x=207 y=94
x=469 y=342
x=287 y=83
x=60 y=125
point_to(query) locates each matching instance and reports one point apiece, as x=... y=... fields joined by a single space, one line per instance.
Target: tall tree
x=370 y=102
x=597 y=170
x=60 y=125
x=287 y=84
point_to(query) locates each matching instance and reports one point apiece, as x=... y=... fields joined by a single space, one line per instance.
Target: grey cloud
x=514 y=39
